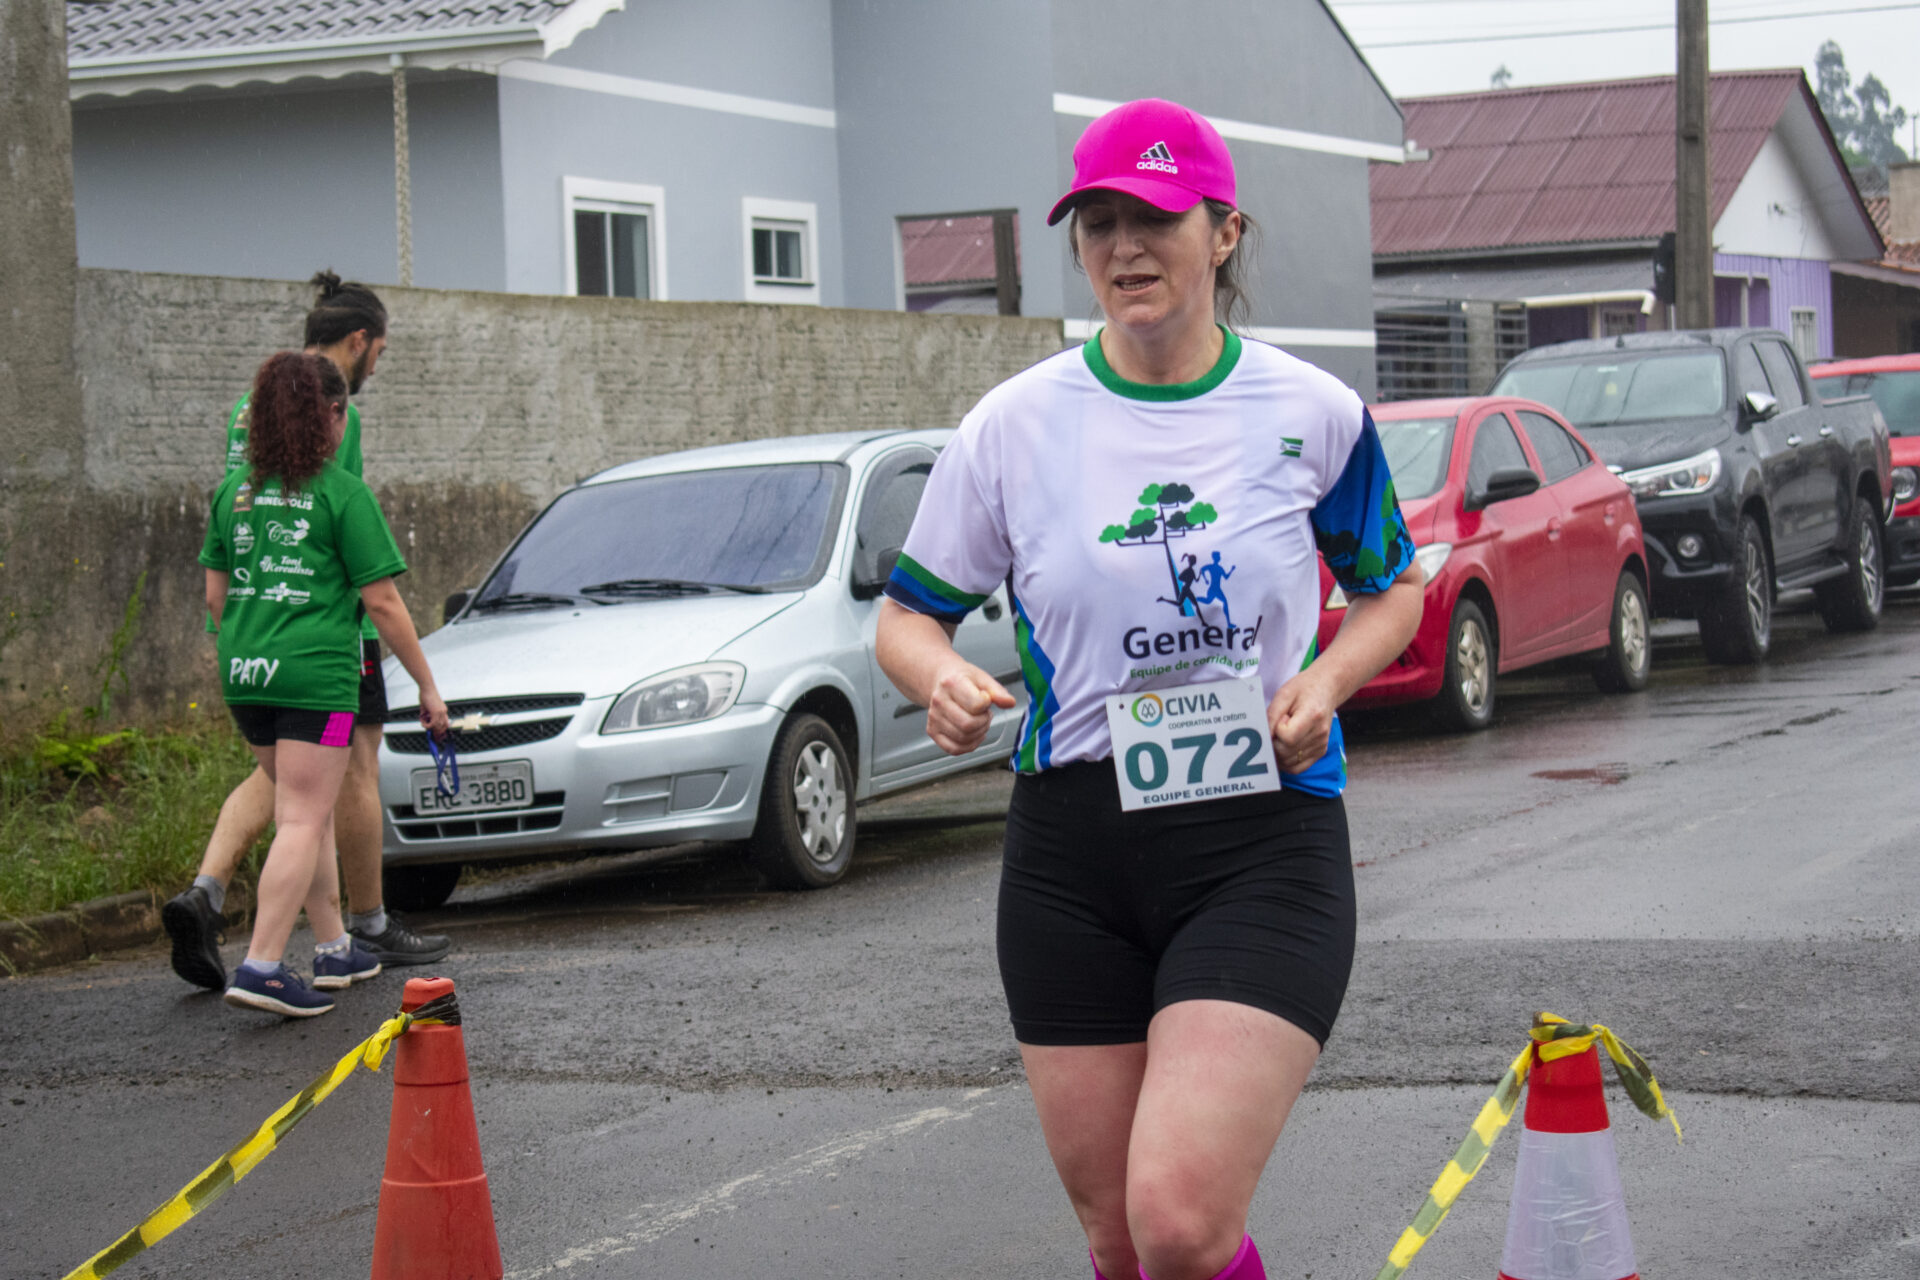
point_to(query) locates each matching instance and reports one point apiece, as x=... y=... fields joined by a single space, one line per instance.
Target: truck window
x=1752 y=376
x=1624 y=386
x=1559 y=453
x=1780 y=372
x=1495 y=448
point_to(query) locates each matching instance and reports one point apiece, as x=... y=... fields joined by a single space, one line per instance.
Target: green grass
x=83 y=816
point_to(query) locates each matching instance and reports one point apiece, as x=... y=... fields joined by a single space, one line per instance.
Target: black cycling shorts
x=373 y=686
x=1107 y=917
x=264 y=726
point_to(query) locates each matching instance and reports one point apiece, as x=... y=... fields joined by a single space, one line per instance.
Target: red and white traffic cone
x=1569 y=1216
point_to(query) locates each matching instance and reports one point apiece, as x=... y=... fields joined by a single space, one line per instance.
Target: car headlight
x=1431 y=558
x=685 y=695
x=1675 y=479
x=1906 y=483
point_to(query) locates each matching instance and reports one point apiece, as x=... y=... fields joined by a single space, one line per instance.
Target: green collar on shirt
x=1229 y=356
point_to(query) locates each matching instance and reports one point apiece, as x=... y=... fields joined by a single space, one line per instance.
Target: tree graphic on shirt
x=1167 y=512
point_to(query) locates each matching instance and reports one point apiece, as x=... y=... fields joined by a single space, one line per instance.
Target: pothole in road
x=1606 y=775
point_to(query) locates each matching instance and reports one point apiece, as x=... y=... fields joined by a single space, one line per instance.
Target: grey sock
x=338 y=947
x=372 y=923
x=216 y=892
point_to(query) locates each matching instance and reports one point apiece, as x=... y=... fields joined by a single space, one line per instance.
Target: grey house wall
x=276 y=184
x=946 y=108
x=1285 y=64
x=704 y=160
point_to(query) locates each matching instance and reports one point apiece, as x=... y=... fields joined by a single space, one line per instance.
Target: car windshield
x=1624 y=387
x=690 y=533
x=1417 y=452
x=1897 y=392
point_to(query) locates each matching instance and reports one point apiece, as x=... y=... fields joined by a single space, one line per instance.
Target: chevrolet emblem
x=472 y=722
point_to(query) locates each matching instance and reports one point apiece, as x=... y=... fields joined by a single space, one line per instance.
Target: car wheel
x=419 y=888
x=1853 y=602
x=1737 y=628
x=804 y=836
x=1466 y=697
x=1623 y=668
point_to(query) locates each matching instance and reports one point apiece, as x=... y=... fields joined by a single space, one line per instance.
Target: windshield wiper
x=665 y=586
x=531 y=600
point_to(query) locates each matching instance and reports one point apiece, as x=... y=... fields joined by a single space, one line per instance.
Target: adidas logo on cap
x=1159 y=158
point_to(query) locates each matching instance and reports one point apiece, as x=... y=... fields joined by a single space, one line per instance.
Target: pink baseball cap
x=1154 y=149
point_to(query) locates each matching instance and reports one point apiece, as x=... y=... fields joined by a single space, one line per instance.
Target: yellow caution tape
x=220 y=1176
x=1555 y=1038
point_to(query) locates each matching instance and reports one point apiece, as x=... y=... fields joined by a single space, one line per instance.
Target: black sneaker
x=398 y=944
x=197 y=932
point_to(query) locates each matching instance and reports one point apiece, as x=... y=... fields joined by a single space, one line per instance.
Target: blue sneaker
x=277 y=992
x=344 y=968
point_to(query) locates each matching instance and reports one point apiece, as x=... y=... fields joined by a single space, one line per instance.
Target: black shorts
x=264 y=726
x=1108 y=917
x=373 y=686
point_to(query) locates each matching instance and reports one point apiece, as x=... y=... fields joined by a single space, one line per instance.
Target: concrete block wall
x=483 y=407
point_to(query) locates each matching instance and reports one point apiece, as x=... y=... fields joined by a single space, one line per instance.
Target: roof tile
x=132 y=28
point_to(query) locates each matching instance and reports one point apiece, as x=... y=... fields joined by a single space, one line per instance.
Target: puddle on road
x=1607 y=775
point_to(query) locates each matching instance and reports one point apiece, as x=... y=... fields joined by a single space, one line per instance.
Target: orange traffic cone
x=436 y=1219
x=1569 y=1216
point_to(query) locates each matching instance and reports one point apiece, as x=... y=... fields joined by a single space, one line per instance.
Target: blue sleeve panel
x=1357 y=525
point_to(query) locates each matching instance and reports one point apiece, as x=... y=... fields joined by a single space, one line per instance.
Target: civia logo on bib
x=1147 y=709
x=1158 y=158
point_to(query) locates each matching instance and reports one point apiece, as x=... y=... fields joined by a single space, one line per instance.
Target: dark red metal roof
x=951 y=251
x=1563 y=164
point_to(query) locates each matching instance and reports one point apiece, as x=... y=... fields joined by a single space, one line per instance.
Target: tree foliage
x=1864 y=119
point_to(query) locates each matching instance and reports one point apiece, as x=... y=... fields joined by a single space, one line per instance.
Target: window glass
x=886 y=513
x=1559 y=453
x=778 y=252
x=1780 y=372
x=762 y=527
x=611 y=253
x=1624 y=386
x=1495 y=448
x=1418 y=450
x=1752 y=376
x=590 y=253
x=1898 y=395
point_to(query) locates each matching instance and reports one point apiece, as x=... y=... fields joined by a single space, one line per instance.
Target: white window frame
x=598 y=195
x=754 y=209
x=1812 y=317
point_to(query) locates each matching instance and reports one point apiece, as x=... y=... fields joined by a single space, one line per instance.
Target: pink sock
x=1245 y=1265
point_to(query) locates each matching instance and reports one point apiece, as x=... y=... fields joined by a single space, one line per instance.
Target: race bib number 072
x=1200 y=742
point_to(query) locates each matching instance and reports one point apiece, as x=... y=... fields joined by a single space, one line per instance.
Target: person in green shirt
x=296 y=553
x=347 y=325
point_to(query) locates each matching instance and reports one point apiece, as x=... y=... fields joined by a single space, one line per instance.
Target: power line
x=1605 y=31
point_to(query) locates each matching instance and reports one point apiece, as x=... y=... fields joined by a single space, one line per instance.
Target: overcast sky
x=1436 y=59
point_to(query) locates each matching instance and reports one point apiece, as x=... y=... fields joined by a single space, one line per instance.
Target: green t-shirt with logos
x=347 y=455
x=289 y=633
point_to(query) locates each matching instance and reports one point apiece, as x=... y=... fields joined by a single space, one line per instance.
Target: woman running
x=1175 y=933
x=296 y=549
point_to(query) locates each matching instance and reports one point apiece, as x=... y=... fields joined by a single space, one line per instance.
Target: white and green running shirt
x=1155 y=536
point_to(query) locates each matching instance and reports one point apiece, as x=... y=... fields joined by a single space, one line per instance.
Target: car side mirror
x=1508 y=482
x=454 y=604
x=866 y=588
x=1761 y=406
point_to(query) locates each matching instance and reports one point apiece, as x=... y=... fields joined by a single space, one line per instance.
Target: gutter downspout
x=402 y=170
x=1642 y=296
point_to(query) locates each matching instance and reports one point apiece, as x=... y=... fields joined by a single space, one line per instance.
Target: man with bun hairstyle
x=348 y=326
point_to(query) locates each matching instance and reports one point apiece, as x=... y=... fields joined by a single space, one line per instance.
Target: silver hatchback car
x=682 y=649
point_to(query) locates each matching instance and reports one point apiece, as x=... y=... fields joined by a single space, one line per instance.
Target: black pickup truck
x=1747 y=483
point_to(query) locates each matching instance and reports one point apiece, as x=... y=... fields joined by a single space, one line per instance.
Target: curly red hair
x=291 y=410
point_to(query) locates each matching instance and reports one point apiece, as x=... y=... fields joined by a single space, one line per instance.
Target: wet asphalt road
x=680 y=1074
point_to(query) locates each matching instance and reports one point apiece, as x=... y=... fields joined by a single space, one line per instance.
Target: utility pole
x=1693 y=241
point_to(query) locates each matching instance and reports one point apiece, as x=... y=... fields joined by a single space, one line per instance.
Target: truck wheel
x=1853 y=602
x=1466 y=693
x=1623 y=668
x=804 y=836
x=1737 y=628
x=412 y=887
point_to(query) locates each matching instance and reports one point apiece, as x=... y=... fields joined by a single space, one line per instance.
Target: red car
x=1532 y=550
x=1894 y=384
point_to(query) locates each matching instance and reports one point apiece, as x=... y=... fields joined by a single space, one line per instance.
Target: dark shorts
x=373 y=686
x=264 y=726
x=1108 y=917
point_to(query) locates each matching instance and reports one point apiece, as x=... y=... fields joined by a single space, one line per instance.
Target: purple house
x=1535 y=216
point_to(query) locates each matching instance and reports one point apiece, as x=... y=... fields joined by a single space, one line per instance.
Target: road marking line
x=656 y=1221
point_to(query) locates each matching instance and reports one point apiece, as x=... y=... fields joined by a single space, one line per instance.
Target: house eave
x=1423 y=258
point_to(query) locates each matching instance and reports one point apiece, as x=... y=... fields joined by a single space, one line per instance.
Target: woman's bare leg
x=306 y=778
x=1086 y=1096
